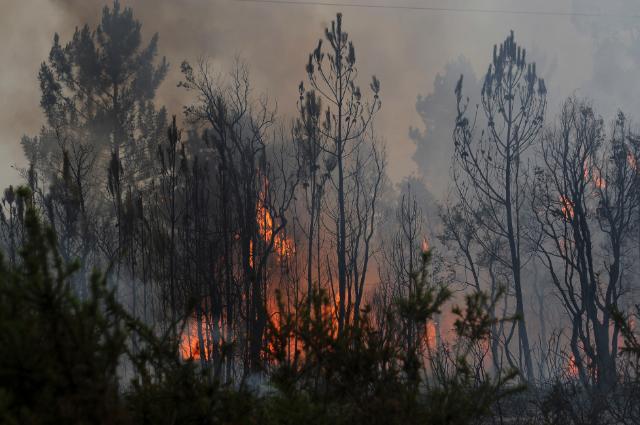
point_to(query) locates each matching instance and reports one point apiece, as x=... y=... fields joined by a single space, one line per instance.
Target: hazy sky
x=405 y=49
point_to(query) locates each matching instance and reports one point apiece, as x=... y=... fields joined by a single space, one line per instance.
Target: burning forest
x=229 y=251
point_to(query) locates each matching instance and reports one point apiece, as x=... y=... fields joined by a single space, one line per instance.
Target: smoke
x=25 y=44
x=405 y=49
x=616 y=55
x=437 y=110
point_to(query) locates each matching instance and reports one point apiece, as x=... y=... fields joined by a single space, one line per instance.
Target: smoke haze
x=405 y=49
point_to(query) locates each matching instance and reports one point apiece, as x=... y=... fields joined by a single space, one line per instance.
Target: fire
x=281 y=245
x=567 y=207
x=430 y=335
x=632 y=161
x=572 y=367
x=189 y=342
x=293 y=345
x=330 y=313
x=425 y=244
x=594 y=174
x=274 y=313
x=598 y=181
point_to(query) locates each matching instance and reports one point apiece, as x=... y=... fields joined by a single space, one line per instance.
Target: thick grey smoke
x=405 y=49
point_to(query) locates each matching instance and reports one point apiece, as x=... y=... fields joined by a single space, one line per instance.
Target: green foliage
x=62 y=359
x=631 y=346
x=361 y=376
x=424 y=301
x=58 y=356
x=354 y=376
x=184 y=395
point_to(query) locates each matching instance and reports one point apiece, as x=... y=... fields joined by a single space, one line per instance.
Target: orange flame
x=430 y=335
x=282 y=246
x=293 y=345
x=632 y=160
x=572 y=367
x=425 y=244
x=597 y=179
x=190 y=343
x=567 y=207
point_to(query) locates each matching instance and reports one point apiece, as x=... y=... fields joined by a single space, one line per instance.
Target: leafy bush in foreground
x=61 y=360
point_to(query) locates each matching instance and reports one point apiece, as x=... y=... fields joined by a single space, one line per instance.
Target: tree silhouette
x=333 y=76
x=489 y=162
x=99 y=78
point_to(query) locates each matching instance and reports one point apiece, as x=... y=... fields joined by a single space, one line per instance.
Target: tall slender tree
x=490 y=160
x=348 y=117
